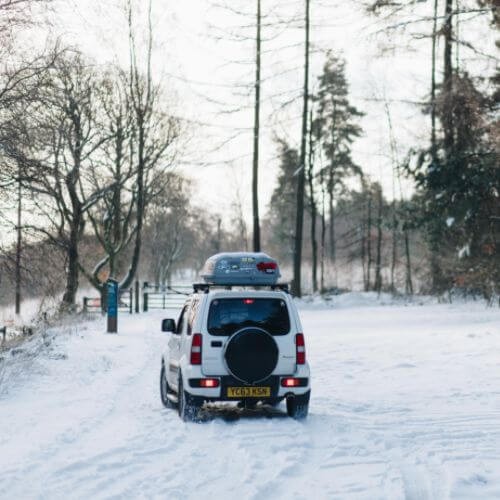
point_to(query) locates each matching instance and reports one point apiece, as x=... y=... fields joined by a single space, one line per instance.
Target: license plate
x=248 y=392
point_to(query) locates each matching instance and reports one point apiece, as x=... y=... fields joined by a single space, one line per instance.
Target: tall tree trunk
x=394 y=243
x=323 y=233
x=433 y=84
x=19 y=243
x=434 y=228
x=408 y=279
x=255 y=171
x=448 y=79
x=297 y=254
x=395 y=172
x=72 y=274
x=142 y=102
x=313 y=208
x=433 y=238
x=363 y=255
x=369 y=242
x=378 y=262
x=331 y=214
x=219 y=236
x=141 y=206
x=75 y=224
x=434 y=247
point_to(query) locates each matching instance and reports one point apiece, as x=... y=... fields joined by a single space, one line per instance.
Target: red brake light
x=248 y=301
x=196 y=349
x=300 y=347
x=209 y=382
x=290 y=382
x=267 y=266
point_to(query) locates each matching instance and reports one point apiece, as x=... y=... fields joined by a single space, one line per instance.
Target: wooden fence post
x=137 y=305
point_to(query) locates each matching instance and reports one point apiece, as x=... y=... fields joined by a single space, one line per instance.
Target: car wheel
x=189 y=406
x=165 y=390
x=297 y=407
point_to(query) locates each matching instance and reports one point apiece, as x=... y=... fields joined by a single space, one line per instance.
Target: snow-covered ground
x=405 y=404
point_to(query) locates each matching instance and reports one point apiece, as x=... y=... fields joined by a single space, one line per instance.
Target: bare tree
x=377 y=286
x=301 y=174
x=167 y=228
x=312 y=204
x=134 y=162
x=56 y=140
x=255 y=170
x=153 y=136
x=16 y=74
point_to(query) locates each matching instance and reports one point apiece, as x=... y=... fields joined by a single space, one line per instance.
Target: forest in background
x=90 y=184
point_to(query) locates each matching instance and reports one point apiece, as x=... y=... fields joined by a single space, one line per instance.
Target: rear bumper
x=273 y=382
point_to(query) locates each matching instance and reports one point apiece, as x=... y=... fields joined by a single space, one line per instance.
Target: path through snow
x=405 y=404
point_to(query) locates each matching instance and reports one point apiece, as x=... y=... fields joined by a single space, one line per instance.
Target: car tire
x=165 y=390
x=297 y=407
x=188 y=406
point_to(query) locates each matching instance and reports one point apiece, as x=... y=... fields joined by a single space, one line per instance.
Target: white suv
x=240 y=343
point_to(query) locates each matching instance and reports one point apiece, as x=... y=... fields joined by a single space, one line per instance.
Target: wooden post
x=137 y=305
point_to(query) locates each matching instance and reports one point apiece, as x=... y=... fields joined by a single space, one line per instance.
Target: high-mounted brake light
x=248 y=301
x=300 y=349
x=196 y=349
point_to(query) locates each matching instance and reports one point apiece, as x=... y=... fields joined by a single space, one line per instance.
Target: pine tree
x=283 y=201
x=337 y=129
x=460 y=190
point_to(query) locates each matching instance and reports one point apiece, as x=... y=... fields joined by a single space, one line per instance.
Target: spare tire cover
x=251 y=355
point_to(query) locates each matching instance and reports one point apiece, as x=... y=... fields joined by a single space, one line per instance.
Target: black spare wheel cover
x=251 y=355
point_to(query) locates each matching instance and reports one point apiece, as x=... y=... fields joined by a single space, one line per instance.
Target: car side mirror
x=168 y=325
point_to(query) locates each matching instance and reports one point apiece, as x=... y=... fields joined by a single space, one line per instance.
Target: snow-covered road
x=405 y=404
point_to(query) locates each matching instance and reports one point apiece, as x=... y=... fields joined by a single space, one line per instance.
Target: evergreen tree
x=336 y=129
x=283 y=201
x=461 y=191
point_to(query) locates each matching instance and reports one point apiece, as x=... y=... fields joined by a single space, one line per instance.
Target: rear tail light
x=300 y=349
x=196 y=349
x=209 y=382
x=290 y=382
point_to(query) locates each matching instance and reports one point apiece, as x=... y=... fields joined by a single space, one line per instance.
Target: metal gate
x=125 y=302
x=164 y=297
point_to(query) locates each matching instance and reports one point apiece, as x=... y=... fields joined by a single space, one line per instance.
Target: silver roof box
x=241 y=268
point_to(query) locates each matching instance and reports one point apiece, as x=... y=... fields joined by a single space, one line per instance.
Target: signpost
x=112 y=305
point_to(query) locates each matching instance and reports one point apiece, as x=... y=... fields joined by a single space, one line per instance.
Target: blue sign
x=112 y=289
x=112 y=298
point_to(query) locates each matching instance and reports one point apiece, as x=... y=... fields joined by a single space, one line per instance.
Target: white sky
x=210 y=78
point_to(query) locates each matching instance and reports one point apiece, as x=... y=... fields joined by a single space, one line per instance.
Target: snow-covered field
x=405 y=404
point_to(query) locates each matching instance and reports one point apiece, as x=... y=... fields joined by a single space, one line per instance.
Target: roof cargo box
x=241 y=268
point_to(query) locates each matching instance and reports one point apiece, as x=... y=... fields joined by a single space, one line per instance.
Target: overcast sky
x=210 y=76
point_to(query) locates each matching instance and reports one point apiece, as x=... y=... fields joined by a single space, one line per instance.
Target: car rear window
x=227 y=316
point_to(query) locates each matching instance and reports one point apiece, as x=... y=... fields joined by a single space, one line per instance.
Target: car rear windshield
x=227 y=316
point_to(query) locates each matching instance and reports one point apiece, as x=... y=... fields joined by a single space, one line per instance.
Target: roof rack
x=205 y=287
